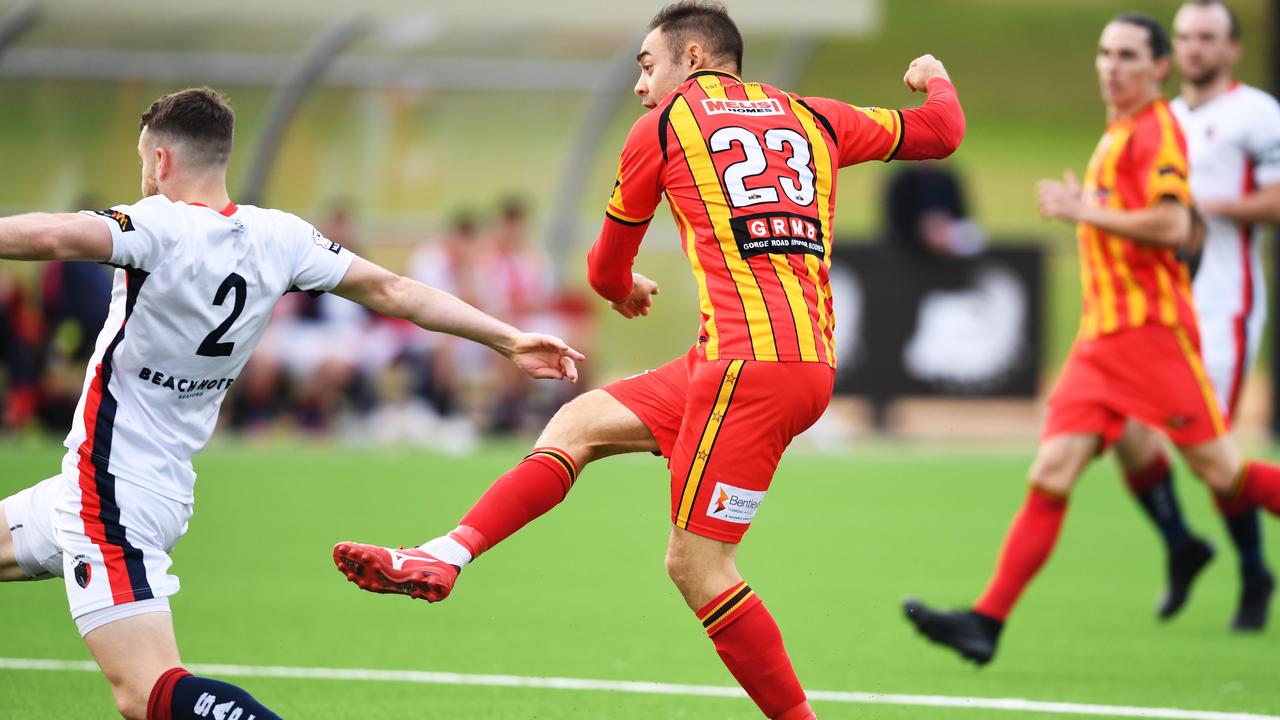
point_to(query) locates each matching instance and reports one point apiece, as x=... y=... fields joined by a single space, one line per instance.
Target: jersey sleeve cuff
x=933 y=81
x=339 y=271
x=626 y=220
x=117 y=250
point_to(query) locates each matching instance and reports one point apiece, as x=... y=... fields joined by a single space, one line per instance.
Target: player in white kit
x=197 y=279
x=1233 y=142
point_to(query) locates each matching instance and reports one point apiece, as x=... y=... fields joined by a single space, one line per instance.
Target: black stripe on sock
x=728 y=607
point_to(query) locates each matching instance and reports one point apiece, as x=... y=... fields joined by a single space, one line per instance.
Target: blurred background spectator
x=927 y=212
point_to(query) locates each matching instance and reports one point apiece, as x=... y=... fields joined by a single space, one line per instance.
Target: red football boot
x=403 y=571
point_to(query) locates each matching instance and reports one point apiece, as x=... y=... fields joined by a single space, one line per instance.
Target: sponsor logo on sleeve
x=124 y=221
x=325 y=243
x=768 y=106
x=734 y=504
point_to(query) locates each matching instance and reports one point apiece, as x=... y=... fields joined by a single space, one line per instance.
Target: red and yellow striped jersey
x=1140 y=161
x=749 y=172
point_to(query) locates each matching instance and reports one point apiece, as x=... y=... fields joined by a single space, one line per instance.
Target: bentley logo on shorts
x=83 y=571
x=1178 y=422
x=734 y=504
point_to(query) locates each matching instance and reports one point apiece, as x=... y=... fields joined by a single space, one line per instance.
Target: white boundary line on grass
x=654 y=688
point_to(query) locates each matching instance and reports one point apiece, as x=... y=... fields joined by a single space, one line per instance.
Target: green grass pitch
x=582 y=592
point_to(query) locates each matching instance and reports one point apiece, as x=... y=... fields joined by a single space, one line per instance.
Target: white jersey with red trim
x=192 y=296
x=1233 y=144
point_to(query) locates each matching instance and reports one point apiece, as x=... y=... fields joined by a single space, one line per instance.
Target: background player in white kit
x=1233 y=142
x=197 y=280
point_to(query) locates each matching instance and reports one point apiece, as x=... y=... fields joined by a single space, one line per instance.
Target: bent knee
x=570 y=430
x=1054 y=474
x=1054 y=478
x=1219 y=476
x=131 y=701
x=679 y=568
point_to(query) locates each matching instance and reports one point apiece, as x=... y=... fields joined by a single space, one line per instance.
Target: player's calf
x=179 y=695
x=741 y=628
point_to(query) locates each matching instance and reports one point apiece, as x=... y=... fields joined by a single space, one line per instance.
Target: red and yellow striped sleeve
x=932 y=131
x=1160 y=158
x=861 y=134
x=638 y=185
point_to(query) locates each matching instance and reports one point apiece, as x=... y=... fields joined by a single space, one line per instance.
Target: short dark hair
x=1157 y=37
x=200 y=118
x=1234 y=22
x=707 y=21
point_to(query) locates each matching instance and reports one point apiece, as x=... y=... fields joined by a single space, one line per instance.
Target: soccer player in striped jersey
x=749 y=173
x=1233 y=142
x=1137 y=354
x=198 y=277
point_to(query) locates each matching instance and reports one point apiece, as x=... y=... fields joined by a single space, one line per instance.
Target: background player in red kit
x=1137 y=354
x=749 y=172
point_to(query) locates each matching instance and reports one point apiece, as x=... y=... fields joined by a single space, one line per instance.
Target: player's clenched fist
x=641 y=299
x=922 y=70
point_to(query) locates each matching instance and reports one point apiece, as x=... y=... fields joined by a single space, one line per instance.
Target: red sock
x=1231 y=506
x=160 y=704
x=748 y=641
x=1259 y=484
x=514 y=500
x=1026 y=548
x=1154 y=473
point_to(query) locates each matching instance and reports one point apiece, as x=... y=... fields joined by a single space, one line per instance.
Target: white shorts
x=1231 y=302
x=1230 y=344
x=108 y=539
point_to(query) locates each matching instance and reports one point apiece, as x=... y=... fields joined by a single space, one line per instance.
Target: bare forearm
x=45 y=236
x=1262 y=206
x=438 y=311
x=29 y=237
x=1166 y=226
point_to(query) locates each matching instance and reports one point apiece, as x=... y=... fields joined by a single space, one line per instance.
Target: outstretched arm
x=63 y=236
x=541 y=356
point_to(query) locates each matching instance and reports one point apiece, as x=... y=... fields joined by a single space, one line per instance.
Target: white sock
x=447 y=549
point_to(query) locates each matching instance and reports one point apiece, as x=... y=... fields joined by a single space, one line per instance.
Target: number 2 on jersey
x=754 y=163
x=213 y=345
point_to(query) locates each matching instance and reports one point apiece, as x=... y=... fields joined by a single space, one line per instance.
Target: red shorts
x=1153 y=374
x=723 y=426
